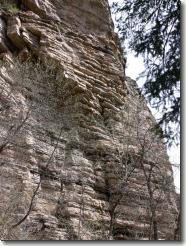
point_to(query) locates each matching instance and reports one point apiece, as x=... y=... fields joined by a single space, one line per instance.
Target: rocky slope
x=78 y=158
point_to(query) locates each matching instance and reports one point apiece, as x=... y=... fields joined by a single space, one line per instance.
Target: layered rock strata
x=71 y=130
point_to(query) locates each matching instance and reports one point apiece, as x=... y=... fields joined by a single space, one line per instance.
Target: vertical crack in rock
x=61 y=62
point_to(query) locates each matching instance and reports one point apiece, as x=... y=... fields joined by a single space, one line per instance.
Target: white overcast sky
x=134 y=68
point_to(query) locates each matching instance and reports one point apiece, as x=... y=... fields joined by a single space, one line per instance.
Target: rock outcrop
x=78 y=158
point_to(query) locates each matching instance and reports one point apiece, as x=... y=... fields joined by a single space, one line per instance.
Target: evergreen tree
x=152 y=29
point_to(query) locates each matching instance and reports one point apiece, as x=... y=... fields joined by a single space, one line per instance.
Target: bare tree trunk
x=81 y=211
x=38 y=185
x=177 y=230
x=155 y=229
x=111 y=226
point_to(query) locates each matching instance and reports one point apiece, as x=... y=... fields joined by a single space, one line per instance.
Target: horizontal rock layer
x=68 y=119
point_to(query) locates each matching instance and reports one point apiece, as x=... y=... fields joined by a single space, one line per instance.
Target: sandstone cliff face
x=73 y=130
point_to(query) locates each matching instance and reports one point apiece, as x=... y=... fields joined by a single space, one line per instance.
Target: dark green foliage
x=152 y=29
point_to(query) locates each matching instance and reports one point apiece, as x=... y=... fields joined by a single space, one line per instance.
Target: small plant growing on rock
x=11 y=7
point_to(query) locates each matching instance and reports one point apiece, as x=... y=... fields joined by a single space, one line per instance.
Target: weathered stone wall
x=65 y=129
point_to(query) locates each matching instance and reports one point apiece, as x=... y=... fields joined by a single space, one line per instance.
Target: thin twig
x=38 y=185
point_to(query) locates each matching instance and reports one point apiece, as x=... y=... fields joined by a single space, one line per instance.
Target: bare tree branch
x=38 y=185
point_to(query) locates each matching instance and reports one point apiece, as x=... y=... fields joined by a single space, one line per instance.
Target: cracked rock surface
x=64 y=103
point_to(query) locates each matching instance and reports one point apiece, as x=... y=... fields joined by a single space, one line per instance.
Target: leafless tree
x=123 y=165
x=21 y=72
x=156 y=169
x=177 y=232
x=141 y=147
x=81 y=214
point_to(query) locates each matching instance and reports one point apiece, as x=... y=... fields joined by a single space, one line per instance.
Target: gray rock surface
x=72 y=129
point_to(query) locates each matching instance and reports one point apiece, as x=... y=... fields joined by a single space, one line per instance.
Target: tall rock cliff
x=79 y=158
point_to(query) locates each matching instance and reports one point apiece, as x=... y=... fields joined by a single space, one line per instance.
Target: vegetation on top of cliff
x=10 y=6
x=152 y=29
